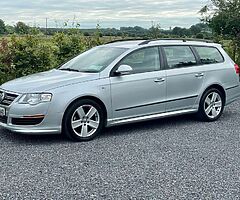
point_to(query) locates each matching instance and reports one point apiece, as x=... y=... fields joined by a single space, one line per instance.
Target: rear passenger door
x=184 y=77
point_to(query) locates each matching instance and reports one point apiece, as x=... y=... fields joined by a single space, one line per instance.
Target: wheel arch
x=216 y=86
x=89 y=97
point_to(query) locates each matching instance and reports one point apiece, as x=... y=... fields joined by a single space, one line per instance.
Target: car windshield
x=93 y=60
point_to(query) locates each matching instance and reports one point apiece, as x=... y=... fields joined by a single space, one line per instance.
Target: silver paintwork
x=163 y=93
x=148 y=117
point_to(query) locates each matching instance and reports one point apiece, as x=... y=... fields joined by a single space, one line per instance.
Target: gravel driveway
x=174 y=158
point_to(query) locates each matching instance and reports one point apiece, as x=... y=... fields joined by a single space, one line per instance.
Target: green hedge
x=23 y=55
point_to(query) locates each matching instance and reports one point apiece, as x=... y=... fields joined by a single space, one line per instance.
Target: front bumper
x=50 y=124
x=30 y=130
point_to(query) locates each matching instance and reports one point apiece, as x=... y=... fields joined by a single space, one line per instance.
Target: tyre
x=83 y=120
x=211 y=105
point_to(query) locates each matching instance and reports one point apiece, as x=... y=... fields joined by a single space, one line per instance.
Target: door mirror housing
x=123 y=70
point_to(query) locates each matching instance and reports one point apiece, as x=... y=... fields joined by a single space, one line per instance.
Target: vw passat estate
x=119 y=83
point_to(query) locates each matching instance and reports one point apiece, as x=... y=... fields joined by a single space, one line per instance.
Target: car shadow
x=33 y=139
x=148 y=125
x=108 y=132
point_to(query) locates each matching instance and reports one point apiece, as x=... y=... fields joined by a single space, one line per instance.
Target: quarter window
x=209 y=55
x=143 y=60
x=179 y=56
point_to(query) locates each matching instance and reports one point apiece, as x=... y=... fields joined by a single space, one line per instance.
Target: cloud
x=110 y=13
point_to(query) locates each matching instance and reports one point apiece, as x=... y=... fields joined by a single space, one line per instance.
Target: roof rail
x=180 y=39
x=126 y=40
x=147 y=40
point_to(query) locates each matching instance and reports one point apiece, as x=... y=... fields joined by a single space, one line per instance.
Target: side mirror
x=123 y=70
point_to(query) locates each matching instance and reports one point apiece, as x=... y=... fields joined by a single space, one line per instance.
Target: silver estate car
x=119 y=83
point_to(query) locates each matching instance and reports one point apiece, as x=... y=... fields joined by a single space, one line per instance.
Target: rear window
x=179 y=56
x=209 y=55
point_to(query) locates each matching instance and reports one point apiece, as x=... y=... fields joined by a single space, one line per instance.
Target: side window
x=143 y=60
x=209 y=55
x=179 y=56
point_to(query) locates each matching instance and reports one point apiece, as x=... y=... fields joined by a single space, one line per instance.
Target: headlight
x=35 y=98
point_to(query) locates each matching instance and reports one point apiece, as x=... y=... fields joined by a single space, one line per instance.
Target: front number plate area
x=2 y=112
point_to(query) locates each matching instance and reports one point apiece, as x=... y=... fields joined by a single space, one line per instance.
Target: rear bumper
x=232 y=94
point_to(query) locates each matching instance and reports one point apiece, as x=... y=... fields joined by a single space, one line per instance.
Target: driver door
x=143 y=91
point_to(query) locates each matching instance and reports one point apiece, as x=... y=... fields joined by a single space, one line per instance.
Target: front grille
x=3 y=119
x=27 y=121
x=8 y=98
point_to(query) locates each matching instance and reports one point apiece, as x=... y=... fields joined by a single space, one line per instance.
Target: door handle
x=159 y=80
x=199 y=75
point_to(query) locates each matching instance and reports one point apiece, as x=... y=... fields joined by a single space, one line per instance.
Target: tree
x=2 y=27
x=97 y=34
x=10 y=29
x=22 y=28
x=195 y=29
x=177 y=31
x=223 y=16
x=86 y=34
x=200 y=36
x=155 y=31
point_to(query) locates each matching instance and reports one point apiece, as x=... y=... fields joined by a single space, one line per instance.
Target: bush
x=6 y=57
x=68 y=45
x=27 y=54
x=32 y=54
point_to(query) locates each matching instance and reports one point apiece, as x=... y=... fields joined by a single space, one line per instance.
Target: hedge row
x=29 y=54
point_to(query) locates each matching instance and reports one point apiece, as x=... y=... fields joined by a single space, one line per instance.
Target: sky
x=108 y=13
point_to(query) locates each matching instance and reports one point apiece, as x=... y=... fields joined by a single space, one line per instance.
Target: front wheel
x=83 y=120
x=211 y=106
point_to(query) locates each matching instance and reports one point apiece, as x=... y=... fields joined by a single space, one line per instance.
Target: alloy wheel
x=213 y=105
x=85 y=120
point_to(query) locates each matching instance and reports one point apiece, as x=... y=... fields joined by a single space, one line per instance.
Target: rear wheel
x=83 y=120
x=211 y=106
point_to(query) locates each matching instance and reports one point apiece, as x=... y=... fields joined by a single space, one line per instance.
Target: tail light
x=237 y=69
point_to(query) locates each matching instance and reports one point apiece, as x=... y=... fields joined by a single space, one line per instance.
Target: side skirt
x=120 y=121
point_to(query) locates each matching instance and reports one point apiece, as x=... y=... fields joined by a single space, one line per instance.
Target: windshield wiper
x=69 y=69
x=88 y=71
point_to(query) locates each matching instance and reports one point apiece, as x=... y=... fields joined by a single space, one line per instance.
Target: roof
x=137 y=43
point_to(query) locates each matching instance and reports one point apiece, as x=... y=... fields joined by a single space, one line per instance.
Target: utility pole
x=46 y=26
